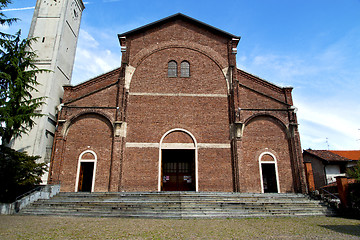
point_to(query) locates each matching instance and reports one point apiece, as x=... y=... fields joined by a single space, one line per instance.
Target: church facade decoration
x=178 y=115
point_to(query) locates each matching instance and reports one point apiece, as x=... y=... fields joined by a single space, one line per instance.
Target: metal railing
x=38 y=188
x=329 y=197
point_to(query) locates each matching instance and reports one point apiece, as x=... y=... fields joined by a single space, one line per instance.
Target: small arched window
x=185 y=69
x=172 y=69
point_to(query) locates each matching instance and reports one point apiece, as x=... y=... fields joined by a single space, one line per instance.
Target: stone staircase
x=178 y=205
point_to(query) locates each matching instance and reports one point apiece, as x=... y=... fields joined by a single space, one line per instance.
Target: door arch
x=85 y=176
x=178 y=157
x=269 y=176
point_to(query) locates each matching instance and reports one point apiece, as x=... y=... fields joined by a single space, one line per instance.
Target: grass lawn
x=33 y=227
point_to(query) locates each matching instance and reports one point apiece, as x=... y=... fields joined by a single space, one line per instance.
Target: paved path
x=33 y=227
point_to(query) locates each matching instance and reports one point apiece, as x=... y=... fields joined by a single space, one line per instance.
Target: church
x=177 y=115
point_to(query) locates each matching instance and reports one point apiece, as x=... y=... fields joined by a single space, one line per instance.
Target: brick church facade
x=177 y=116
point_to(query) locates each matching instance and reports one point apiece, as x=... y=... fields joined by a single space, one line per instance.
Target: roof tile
x=353 y=155
x=327 y=155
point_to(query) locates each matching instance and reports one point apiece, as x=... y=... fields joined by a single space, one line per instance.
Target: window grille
x=185 y=69
x=172 y=69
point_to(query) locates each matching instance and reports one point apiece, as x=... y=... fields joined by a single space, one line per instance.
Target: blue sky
x=312 y=45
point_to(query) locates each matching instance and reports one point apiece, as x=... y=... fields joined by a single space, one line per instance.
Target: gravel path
x=33 y=227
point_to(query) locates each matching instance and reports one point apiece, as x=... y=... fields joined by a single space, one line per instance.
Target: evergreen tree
x=19 y=172
x=3 y=19
x=17 y=82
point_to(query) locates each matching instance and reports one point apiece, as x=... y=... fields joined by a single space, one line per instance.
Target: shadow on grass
x=347 y=229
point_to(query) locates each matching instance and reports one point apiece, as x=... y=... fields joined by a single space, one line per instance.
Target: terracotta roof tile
x=327 y=155
x=353 y=155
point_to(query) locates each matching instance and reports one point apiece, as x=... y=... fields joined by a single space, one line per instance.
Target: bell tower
x=56 y=25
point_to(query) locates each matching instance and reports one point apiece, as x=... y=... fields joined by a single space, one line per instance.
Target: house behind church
x=178 y=115
x=326 y=165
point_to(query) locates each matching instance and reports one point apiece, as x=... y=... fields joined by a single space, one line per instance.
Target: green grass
x=33 y=227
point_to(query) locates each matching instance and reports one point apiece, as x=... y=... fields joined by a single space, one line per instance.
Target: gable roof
x=327 y=155
x=353 y=155
x=176 y=17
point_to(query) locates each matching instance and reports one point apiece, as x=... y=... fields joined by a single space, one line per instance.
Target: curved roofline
x=177 y=16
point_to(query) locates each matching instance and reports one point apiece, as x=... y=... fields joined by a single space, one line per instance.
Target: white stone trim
x=214 y=145
x=276 y=170
x=196 y=156
x=141 y=145
x=178 y=94
x=225 y=71
x=78 y=169
x=177 y=145
x=129 y=72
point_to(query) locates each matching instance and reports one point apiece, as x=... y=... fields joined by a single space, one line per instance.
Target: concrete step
x=177 y=205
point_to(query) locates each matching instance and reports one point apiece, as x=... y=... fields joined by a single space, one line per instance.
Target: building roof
x=353 y=155
x=327 y=155
x=175 y=17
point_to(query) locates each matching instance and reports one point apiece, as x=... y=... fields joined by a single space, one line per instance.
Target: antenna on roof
x=327 y=143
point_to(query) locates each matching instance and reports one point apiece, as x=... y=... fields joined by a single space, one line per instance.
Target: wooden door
x=178 y=168
x=269 y=178
x=86 y=176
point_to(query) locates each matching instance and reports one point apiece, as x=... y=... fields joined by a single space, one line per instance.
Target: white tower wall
x=56 y=25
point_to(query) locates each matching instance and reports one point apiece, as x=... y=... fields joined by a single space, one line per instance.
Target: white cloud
x=87 y=40
x=326 y=89
x=106 y=1
x=327 y=115
x=92 y=58
x=17 y=9
x=4 y=27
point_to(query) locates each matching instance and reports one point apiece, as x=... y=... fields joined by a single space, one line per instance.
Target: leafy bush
x=354 y=172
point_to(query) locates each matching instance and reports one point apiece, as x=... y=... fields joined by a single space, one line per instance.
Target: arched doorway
x=178 y=161
x=269 y=173
x=85 y=177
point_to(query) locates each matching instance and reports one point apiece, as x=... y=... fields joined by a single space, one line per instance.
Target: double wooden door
x=178 y=170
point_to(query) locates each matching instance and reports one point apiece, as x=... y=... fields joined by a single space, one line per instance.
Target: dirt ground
x=34 y=227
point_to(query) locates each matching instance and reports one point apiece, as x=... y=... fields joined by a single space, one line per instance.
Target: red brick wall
x=153 y=105
x=263 y=134
x=177 y=31
x=88 y=132
x=150 y=117
x=140 y=169
x=215 y=172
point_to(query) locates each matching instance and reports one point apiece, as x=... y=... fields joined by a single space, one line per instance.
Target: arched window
x=185 y=69
x=172 y=69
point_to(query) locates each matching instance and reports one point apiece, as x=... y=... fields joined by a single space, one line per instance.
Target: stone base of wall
x=45 y=193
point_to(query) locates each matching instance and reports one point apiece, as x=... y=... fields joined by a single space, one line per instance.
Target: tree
x=18 y=173
x=354 y=172
x=17 y=82
x=3 y=19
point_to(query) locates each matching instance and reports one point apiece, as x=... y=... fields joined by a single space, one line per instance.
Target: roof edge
x=344 y=159
x=177 y=15
x=93 y=80
x=263 y=80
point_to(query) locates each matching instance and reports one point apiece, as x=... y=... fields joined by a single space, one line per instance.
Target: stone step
x=177 y=205
x=182 y=211
x=179 y=215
